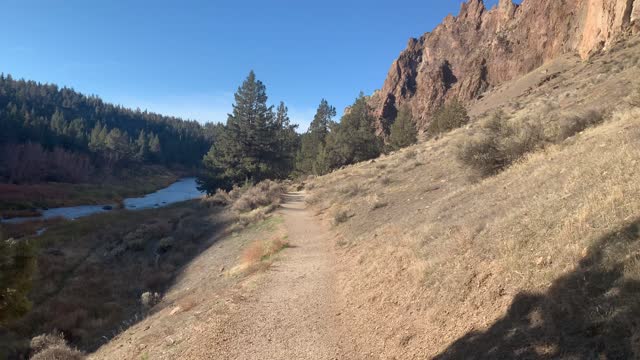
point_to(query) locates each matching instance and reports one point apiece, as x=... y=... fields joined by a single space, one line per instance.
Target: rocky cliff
x=481 y=48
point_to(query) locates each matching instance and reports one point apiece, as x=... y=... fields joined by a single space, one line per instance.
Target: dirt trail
x=285 y=312
x=291 y=317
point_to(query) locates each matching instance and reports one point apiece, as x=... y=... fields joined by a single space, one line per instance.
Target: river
x=181 y=190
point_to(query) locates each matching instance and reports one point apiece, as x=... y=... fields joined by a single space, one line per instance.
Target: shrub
x=165 y=244
x=385 y=180
x=450 y=116
x=340 y=217
x=149 y=299
x=44 y=341
x=500 y=145
x=220 y=198
x=410 y=154
x=571 y=125
x=53 y=347
x=263 y=194
x=350 y=190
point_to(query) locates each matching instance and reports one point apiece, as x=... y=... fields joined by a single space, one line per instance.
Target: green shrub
x=450 y=116
x=500 y=144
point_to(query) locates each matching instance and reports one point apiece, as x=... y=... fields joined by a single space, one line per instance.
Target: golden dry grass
x=458 y=263
x=259 y=254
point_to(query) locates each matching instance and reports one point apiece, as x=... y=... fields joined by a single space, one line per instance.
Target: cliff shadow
x=592 y=312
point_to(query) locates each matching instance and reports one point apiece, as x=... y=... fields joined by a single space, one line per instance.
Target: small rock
x=175 y=310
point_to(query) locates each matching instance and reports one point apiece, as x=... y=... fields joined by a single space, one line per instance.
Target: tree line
x=258 y=142
x=110 y=135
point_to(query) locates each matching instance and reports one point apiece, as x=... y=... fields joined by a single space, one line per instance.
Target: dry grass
x=92 y=271
x=523 y=263
x=259 y=254
x=264 y=194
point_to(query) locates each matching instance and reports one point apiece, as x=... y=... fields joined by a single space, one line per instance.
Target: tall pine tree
x=354 y=139
x=314 y=140
x=247 y=149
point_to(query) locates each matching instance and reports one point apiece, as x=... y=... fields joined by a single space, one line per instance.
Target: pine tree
x=403 y=130
x=142 y=152
x=314 y=140
x=355 y=139
x=247 y=149
x=287 y=141
x=58 y=124
x=155 y=147
x=97 y=137
x=448 y=117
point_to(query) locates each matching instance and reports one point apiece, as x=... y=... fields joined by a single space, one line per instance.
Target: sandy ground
x=285 y=312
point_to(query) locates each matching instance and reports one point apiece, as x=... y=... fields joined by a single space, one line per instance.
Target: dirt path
x=291 y=317
x=285 y=312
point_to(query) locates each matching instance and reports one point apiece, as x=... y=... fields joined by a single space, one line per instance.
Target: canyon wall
x=480 y=48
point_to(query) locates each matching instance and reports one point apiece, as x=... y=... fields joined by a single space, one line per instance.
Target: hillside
x=538 y=261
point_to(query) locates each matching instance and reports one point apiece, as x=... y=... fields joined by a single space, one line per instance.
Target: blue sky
x=187 y=58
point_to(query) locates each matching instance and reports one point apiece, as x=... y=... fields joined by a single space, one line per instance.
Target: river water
x=181 y=190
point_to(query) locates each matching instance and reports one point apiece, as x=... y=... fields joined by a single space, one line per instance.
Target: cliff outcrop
x=481 y=48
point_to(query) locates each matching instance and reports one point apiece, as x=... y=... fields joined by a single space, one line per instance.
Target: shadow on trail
x=591 y=313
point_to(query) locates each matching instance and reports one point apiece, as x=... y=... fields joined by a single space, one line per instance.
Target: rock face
x=480 y=48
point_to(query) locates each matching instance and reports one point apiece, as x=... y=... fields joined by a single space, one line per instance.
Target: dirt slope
x=285 y=312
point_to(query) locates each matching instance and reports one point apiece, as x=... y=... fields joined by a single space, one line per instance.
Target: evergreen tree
x=314 y=140
x=287 y=141
x=247 y=149
x=96 y=139
x=154 y=145
x=142 y=152
x=403 y=130
x=58 y=124
x=448 y=117
x=355 y=139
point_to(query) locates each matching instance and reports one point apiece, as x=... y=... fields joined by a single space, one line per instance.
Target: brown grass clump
x=258 y=254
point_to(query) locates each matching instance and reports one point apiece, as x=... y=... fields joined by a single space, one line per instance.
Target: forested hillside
x=49 y=133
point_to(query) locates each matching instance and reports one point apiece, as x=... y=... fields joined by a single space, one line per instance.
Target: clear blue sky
x=187 y=57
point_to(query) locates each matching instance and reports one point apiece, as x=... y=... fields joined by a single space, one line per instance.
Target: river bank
x=27 y=200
